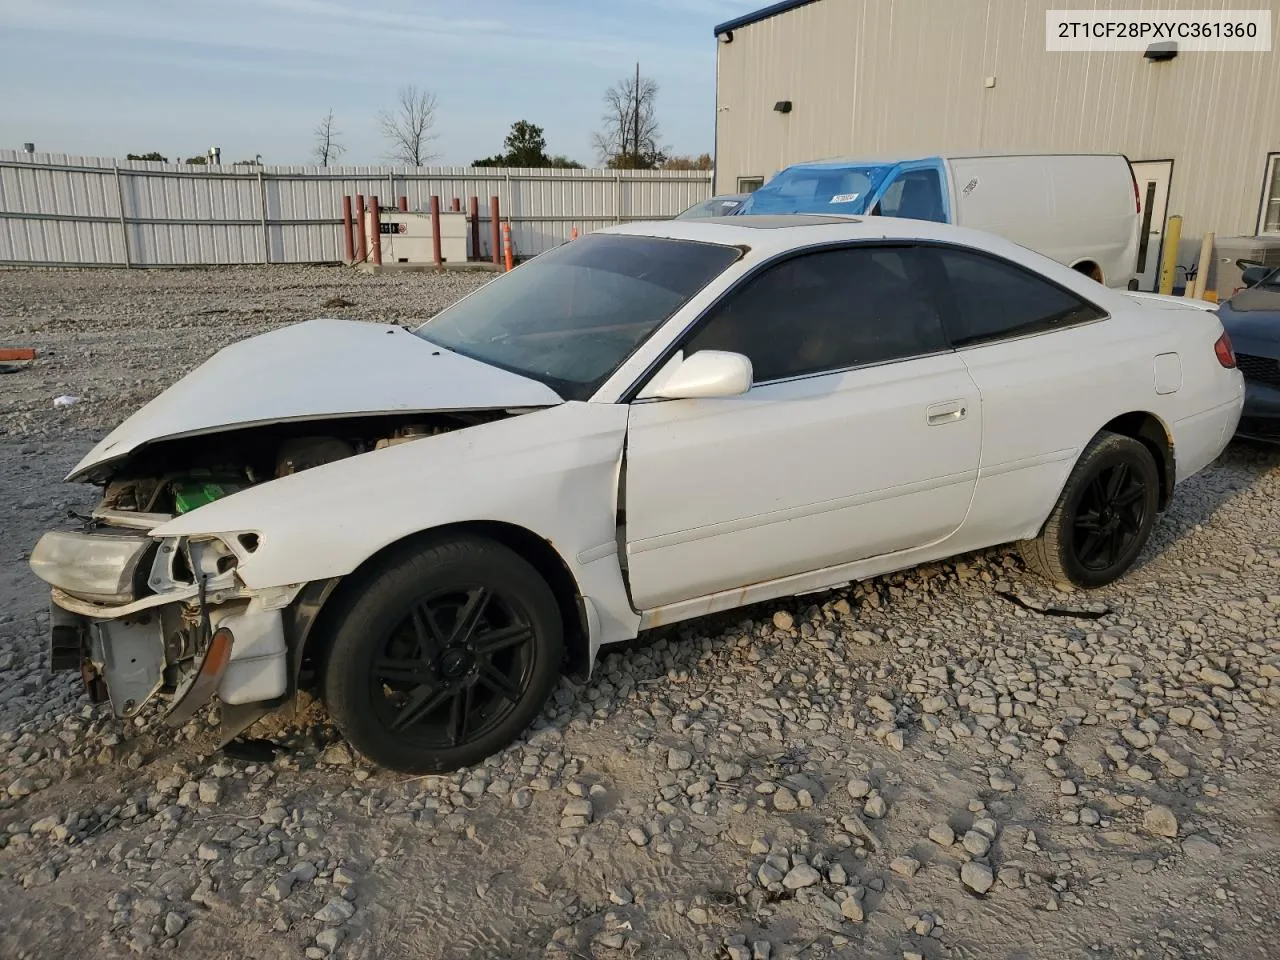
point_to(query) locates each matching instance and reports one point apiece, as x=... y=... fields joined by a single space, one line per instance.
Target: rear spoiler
x=1159 y=299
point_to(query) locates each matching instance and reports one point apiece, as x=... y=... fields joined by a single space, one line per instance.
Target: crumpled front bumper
x=189 y=630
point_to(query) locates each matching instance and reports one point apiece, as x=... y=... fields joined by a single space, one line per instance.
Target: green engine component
x=195 y=492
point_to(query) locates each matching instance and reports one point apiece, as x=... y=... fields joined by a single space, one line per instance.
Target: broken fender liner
x=206 y=682
x=1054 y=611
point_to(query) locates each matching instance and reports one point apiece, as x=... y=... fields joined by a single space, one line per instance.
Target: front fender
x=553 y=472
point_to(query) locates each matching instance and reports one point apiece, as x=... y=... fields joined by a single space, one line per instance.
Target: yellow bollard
x=1169 y=260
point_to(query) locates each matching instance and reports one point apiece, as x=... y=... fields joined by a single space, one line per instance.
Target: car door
x=860 y=435
x=1047 y=373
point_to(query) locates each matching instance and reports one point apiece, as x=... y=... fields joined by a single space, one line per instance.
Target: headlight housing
x=97 y=566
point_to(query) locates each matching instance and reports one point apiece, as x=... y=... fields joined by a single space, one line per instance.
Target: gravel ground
x=920 y=766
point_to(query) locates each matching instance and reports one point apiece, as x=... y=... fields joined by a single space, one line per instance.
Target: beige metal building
x=818 y=79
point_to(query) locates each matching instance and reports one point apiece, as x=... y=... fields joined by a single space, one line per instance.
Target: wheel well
x=1089 y=269
x=528 y=545
x=1150 y=431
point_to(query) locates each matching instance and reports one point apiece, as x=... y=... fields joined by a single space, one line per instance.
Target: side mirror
x=705 y=374
x=1252 y=276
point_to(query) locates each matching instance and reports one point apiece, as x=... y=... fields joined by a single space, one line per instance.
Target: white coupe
x=655 y=422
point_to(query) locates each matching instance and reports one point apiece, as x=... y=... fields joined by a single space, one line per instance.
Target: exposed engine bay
x=176 y=476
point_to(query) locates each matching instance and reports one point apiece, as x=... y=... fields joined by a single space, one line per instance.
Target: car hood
x=314 y=370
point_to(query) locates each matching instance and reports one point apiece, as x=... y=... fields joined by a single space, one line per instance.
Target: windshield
x=715 y=207
x=826 y=188
x=570 y=316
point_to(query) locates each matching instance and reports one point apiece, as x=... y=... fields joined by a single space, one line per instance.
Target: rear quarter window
x=991 y=299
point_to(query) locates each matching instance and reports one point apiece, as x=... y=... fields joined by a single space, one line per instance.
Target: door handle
x=949 y=411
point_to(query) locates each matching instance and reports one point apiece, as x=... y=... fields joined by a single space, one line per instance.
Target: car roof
x=891 y=158
x=776 y=233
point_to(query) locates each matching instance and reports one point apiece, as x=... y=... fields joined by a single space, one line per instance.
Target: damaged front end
x=143 y=618
x=146 y=617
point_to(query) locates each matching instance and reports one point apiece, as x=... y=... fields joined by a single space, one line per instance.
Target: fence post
x=391 y=186
x=375 y=226
x=474 y=209
x=435 y=231
x=124 y=227
x=360 y=237
x=348 y=236
x=617 y=196
x=495 y=240
x=266 y=235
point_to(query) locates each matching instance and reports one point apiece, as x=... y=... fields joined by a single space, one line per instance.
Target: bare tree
x=630 y=136
x=328 y=147
x=408 y=128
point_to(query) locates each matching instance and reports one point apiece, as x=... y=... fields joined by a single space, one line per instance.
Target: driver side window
x=827 y=311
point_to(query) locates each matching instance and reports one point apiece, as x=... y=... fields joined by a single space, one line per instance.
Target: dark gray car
x=1252 y=320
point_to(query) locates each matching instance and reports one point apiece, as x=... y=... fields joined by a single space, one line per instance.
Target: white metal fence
x=59 y=210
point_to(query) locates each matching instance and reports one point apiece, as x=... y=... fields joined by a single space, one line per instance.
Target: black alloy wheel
x=1102 y=518
x=455 y=667
x=442 y=655
x=1109 y=516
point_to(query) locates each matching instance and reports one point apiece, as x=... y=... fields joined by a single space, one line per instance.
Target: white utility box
x=406 y=237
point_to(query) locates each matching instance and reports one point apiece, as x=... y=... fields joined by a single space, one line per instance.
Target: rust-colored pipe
x=375 y=226
x=404 y=204
x=361 y=242
x=435 y=230
x=475 y=228
x=456 y=204
x=348 y=235
x=495 y=224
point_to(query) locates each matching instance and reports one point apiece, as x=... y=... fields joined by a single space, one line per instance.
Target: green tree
x=526 y=146
x=199 y=161
x=153 y=155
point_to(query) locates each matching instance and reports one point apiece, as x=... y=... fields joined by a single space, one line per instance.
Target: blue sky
x=255 y=76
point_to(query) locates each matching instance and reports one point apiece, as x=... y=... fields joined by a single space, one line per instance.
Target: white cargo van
x=1079 y=209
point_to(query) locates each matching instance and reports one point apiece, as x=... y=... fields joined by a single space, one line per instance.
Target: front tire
x=445 y=656
x=1102 y=519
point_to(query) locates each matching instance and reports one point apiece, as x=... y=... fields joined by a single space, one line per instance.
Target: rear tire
x=444 y=656
x=1103 y=517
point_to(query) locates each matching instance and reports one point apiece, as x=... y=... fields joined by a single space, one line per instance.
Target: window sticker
x=844 y=198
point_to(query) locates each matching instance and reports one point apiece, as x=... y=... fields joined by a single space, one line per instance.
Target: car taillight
x=1226 y=356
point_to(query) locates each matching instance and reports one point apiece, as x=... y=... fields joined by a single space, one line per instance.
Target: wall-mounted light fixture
x=783 y=106
x=1159 y=52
